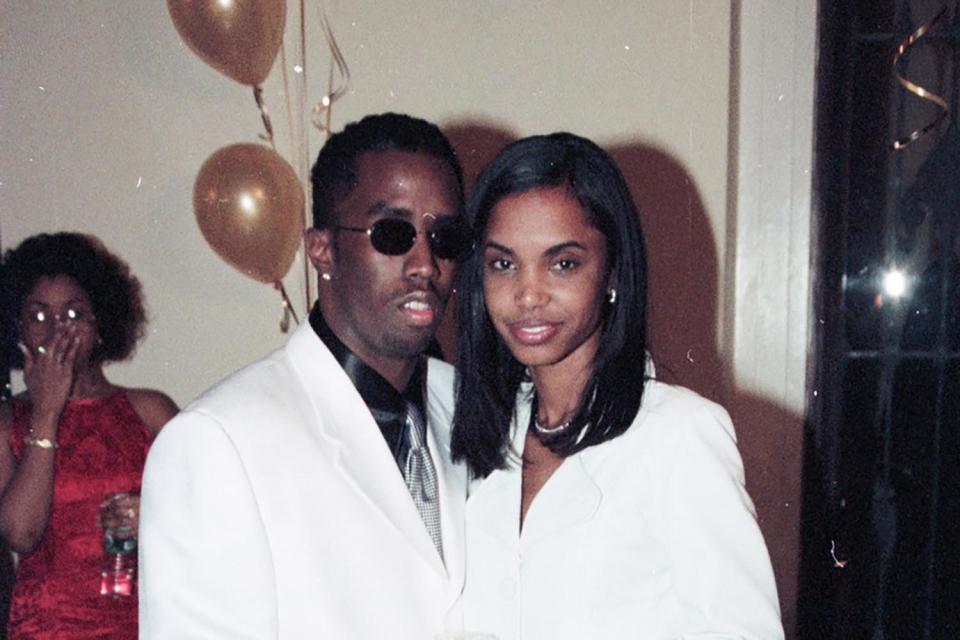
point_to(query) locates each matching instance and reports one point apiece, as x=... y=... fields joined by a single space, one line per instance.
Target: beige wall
x=107 y=117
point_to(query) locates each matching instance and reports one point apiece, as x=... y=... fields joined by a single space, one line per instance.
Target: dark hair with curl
x=488 y=376
x=113 y=291
x=334 y=173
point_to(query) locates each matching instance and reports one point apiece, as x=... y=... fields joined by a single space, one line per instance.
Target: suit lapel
x=345 y=426
x=494 y=506
x=494 y=503
x=452 y=478
x=570 y=497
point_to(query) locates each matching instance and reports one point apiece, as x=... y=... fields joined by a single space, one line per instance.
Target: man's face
x=386 y=308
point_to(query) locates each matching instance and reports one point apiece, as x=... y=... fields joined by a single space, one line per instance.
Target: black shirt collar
x=386 y=404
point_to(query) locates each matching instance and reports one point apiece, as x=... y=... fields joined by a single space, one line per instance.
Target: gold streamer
x=321 y=120
x=323 y=109
x=299 y=153
x=278 y=285
x=287 y=103
x=288 y=310
x=307 y=279
x=916 y=89
x=264 y=115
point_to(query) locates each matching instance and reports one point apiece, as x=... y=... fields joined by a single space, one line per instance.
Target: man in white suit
x=303 y=497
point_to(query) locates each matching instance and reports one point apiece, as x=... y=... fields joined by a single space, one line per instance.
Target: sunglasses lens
x=392 y=237
x=450 y=239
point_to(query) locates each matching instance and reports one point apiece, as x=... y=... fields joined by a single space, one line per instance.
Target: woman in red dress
x=73 y=439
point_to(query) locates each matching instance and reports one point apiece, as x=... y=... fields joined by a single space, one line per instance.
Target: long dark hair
x=488 y=376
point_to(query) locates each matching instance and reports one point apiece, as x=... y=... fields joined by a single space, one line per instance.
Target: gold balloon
x=239 y=38
x=249 y=206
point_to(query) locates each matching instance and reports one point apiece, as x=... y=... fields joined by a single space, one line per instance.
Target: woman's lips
x=533 y=332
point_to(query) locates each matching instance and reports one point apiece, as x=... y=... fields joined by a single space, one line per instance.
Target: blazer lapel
x=494 y=506
x=494 y=502
x=344 y=425
x=568 y=498
x=452 y=478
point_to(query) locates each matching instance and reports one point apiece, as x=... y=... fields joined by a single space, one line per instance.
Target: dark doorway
x=882 y=471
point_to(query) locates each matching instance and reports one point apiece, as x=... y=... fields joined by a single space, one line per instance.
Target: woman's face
x=52 y=306
x=545 y=277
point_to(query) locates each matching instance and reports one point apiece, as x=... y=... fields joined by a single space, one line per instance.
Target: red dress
x=56 y=594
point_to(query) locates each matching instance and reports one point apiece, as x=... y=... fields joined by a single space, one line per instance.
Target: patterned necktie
x=421 y=476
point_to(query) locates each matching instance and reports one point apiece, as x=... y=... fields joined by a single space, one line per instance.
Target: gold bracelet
x=43 y=443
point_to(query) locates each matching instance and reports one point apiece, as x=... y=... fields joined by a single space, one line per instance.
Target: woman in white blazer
x=606 y=504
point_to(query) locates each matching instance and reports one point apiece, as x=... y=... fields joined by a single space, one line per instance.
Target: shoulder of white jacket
x=441 y=379
x=440 y=372
x=678 y=409
x=269 y=381
x=665 y=396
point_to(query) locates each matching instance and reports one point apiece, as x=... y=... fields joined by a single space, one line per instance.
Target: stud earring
x=326 y=276
x=612 y=296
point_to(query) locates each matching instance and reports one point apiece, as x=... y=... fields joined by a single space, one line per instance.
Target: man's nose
x=420 y=261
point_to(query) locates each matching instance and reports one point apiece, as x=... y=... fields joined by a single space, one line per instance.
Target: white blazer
x=651 y=535
x=272 y=508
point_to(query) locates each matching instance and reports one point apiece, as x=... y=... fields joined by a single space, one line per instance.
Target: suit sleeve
x=206 y=570
x=724 y=578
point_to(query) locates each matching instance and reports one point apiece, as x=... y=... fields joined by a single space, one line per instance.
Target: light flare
x=248 y=203
x=894 y=283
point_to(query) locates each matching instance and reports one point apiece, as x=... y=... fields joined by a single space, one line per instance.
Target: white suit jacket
x=650 y=536
x=272 y=508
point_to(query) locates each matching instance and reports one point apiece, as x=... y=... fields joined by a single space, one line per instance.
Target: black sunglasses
x=449 y=237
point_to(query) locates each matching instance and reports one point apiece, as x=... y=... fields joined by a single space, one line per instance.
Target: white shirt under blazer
x=650 y=536
x=273 y=509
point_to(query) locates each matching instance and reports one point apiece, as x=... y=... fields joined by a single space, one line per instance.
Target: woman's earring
x=326 y=276
x=612 y=296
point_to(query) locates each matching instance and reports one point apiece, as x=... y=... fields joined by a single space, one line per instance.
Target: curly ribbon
x=915 y=88
x=321 y=120
x=323 y=109
x=288 y=310
x=264 y=115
